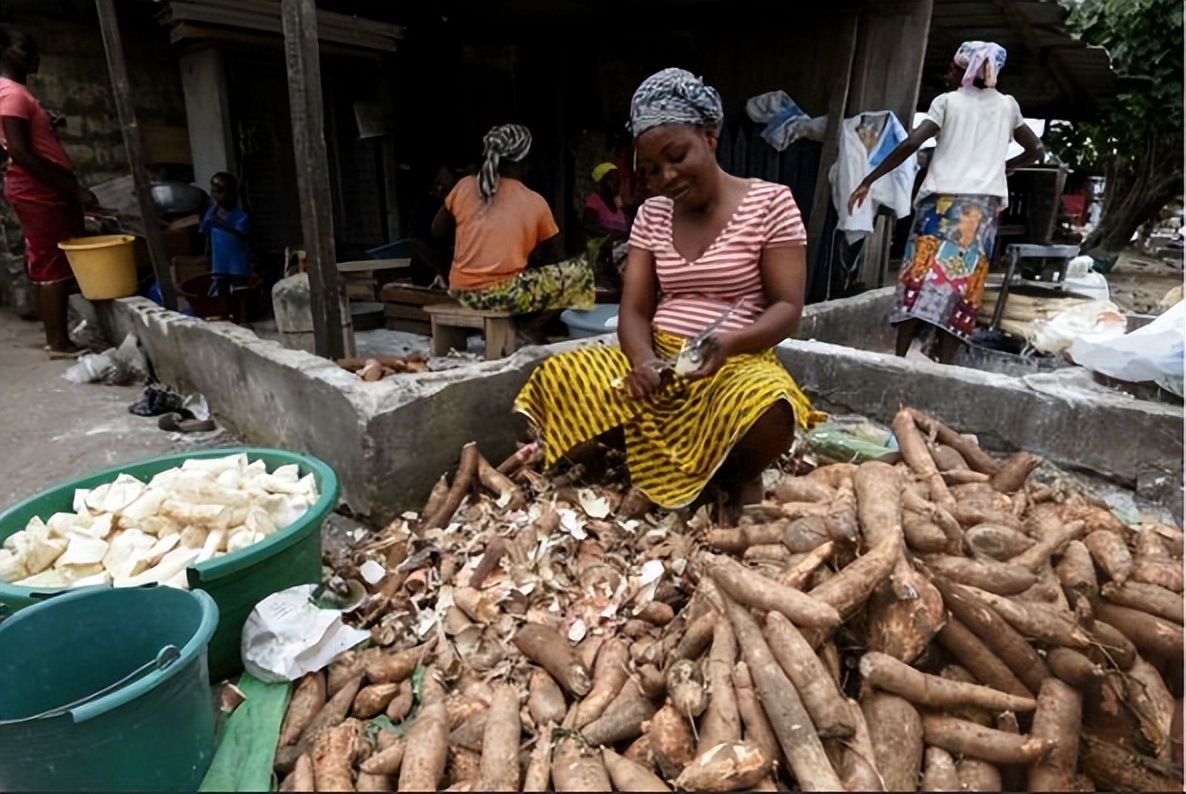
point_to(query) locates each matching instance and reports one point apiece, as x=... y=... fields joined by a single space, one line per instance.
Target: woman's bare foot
x=64 y=353
x=635 y=504
x=732 y=502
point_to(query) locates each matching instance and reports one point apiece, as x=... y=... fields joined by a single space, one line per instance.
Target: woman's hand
x=714 y=351
x=88 y=200
x=858 y=197
x=645 y=379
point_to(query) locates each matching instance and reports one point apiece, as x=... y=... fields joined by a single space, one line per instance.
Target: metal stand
x=1016 y=253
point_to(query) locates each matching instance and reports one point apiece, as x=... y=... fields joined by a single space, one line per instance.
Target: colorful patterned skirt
x=946 y=261
x=564 y=285
x=675 y=442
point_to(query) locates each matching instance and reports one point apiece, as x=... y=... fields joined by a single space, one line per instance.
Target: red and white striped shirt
x=694 y=294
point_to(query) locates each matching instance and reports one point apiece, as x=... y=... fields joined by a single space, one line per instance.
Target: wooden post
x=121 y=90
x=836 y=106
x=327 y=299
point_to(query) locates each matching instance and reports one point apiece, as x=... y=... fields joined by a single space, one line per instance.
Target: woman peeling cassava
x=708 y=244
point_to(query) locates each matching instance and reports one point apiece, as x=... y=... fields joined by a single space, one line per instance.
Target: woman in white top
x=955 y=218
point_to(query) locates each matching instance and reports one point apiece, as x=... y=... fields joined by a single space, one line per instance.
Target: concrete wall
x=389 y=441
x=861 y=321
x=1061 y=415
x=73 y=77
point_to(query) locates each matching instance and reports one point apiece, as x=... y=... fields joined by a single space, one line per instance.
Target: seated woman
x=605 y=222
x=500 y=225
x=708 y=243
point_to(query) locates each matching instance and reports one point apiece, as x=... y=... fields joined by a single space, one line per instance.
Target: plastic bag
x=287 y=636
x=115 y=366
x=851 y=439
x=1096 y=320
x=90 y=367
x=1152 y=353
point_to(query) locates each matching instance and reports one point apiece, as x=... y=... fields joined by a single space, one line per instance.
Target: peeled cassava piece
x=129 y=533
x=728 y=766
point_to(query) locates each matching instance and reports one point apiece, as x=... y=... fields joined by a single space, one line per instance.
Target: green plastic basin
x=155 y=732
x=237 y=582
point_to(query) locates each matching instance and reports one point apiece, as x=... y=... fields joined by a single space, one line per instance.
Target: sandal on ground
x=175 y=424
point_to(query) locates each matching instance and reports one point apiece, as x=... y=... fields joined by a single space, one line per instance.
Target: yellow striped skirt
x=675 y=442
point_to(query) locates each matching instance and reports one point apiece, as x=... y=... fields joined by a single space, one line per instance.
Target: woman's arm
x=56 y=178
x=784 y=275
x=1032 y=145
x=920 y=135
x=548 y=252
x=443 y=224
x=637 y=308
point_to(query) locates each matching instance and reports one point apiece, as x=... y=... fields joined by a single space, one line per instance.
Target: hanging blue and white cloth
x=865 y=141
x=785 y=121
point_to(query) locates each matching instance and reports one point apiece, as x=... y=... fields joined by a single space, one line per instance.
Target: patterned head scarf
x=674 y=96
x=511 y=141
x=975 y=55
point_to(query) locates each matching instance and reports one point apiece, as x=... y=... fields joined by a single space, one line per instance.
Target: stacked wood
x=379 y=367
x=526 y=639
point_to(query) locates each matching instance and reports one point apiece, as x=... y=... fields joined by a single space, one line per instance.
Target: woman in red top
x=39 y=184
x=709 y=245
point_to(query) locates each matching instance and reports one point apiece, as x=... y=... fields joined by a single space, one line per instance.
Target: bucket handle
x=165 y=657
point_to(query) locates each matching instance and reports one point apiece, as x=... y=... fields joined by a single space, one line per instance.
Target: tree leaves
x=1139 y=133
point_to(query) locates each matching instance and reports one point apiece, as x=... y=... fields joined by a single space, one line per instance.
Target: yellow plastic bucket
x=105 y=265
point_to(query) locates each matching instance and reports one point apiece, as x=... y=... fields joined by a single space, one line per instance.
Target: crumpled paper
x=287 y=636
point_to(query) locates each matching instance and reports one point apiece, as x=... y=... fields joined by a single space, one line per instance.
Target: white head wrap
x=976 y=55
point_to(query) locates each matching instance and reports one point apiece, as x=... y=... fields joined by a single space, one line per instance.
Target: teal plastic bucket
x=143 y=652
x=237 y=582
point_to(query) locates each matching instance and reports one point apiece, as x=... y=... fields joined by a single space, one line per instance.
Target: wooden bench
x=450 y=323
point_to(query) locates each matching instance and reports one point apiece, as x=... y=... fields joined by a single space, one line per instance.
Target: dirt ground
x=53 y=430
x=1138 y=282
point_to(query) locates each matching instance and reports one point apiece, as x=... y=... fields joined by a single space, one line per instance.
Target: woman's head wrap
x=972 y=56
x=511 y=141
x=601 y=170
x=674 y=96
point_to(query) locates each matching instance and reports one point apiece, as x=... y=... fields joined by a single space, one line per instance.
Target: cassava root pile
x=944 y=624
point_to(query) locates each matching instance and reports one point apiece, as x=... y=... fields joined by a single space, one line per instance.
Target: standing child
x=225 y=224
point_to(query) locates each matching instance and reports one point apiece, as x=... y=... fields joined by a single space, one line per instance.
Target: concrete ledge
x=1058 y=415
x=389 y=441
x=861 y=321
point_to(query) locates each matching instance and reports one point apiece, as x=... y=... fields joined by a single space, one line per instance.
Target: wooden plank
x=187 y=32
x=166 y=144
x=839 y=100
x=332 y=335
x=390 y=165
x=889 y=60
x=359 y=35
x=121 y=90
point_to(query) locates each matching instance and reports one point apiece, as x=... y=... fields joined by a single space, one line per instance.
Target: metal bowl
x=178 y=198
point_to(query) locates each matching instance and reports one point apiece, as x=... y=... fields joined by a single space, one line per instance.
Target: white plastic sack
x=1095 y=320
x=1152 y=353
x=286 y=636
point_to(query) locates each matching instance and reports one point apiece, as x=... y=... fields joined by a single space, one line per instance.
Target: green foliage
x=1144 y=38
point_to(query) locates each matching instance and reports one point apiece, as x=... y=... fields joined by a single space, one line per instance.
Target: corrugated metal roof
x=1052 y=74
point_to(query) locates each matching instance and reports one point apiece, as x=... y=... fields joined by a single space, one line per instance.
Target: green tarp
x=243 y=760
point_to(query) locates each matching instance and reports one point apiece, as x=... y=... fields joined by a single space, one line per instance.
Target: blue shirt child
x=230 y=254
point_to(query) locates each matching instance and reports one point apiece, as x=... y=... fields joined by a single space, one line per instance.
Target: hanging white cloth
x=866 y=140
